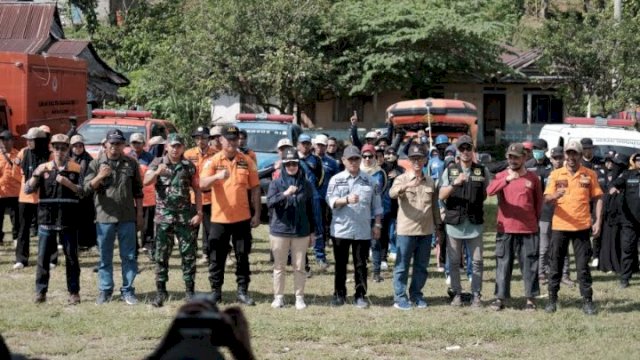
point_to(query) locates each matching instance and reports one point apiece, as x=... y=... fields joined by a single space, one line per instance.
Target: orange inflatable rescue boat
x=450 y=117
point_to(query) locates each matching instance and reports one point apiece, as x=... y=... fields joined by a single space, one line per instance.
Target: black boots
x=189 y=292
x=244 y=298
x=216 y=296
x=551 y=305
x=587 y=306
x=161 y=294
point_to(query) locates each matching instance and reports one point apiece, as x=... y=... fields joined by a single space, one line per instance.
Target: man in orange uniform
x=29 y=158
x=572 y=188
x=231 y=176
x=198 y=155
x=137 y=141
x=9 y=182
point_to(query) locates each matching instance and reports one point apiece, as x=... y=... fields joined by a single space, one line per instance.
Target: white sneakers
x=448 y=280
x=384 y=266
x=595 y=262
x=18 y=266
x=278 y=302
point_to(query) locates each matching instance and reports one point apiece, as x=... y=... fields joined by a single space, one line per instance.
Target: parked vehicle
x=617 y=135
x=128 y=121
x=264 y=131
x=40 y=90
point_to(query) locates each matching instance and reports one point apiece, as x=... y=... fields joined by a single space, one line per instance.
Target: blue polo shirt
x=353 y=221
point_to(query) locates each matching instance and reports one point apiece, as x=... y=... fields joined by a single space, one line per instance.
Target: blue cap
x=304 y=138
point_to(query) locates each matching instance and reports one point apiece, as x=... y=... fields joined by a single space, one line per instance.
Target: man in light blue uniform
x=357 y=218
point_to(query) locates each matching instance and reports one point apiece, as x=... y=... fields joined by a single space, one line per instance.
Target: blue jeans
x=127 y=243
x=47 y=246
x=319 y=207
x=408 y=247
x=392 y=236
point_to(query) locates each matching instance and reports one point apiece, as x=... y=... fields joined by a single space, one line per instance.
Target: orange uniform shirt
x=22 y=197
x=10 y=175
x=198 y=158
x=230 y=201
x=573 y=209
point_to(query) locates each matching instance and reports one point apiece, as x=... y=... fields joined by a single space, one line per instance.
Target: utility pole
x=617 y=10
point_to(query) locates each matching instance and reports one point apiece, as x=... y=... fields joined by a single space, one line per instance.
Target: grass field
x=118 y=331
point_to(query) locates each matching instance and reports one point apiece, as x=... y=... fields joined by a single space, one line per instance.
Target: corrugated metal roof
x=28 y=46
x=29 y=21
x=67 y=48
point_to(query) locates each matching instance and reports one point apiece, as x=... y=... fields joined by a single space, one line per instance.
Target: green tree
x=596 y=56
x=407 y=45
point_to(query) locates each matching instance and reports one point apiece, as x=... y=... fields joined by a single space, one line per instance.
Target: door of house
x=493 y=116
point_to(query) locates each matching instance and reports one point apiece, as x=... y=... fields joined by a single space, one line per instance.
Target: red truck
x=41 y=90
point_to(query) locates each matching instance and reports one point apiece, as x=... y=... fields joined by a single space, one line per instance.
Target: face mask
x=538 y=154
x=390 y=158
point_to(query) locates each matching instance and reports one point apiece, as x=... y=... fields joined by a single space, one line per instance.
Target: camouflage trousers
x=165 y=233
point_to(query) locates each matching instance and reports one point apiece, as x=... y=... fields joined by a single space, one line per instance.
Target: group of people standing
x=360 y=199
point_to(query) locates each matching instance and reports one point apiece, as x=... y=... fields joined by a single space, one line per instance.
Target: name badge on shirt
x=585 y=181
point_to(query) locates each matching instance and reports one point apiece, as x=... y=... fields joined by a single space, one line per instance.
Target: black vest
x=466 y=201
x=58 y=205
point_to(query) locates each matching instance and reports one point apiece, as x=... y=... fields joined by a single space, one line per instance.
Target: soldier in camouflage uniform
x=174 y=176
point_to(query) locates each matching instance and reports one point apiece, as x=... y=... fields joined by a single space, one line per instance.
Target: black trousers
x=206 y=225
x=27 y=212
x=10 y=204
x=87 y=236
x=47 y=247
x=582 y=250
x=219 y=236
x=148 y=230
x=360 y=253
x=629 y=249
x=524 y=247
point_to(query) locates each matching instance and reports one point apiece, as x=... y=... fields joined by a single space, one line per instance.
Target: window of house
x=545 y=109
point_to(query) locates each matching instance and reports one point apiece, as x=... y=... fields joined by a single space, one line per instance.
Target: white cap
x=156 y=140
x=321 y=139
x=284 y=142
x=77 y=139
x=371 y=135
x=136 y=137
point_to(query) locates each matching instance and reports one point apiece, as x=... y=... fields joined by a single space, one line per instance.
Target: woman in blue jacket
x=290 y=202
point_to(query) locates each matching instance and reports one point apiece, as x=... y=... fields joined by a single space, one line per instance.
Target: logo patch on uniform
x=243 y=164
x=454 y=172
x=585 y=181
x=72 y=176
x=528 y=184
x=46 y=175
x=477 y=172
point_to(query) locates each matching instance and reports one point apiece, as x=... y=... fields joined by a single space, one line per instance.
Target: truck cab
x=263 y=133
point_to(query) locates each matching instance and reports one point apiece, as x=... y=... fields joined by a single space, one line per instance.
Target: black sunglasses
x=367 y=156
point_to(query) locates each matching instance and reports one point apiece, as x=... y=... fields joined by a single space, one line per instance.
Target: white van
x=624 y=140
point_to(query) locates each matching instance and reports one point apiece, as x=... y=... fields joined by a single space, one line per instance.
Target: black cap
x=290 y=154
x=230 y=132
x=6 y=135
x=557 y=151
x=201 y=131
x=390 y=150
x=416 y=151
x=464 y=139
x=586 y=143
x=621 y=159
x=540 y=144
x=115 y=136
